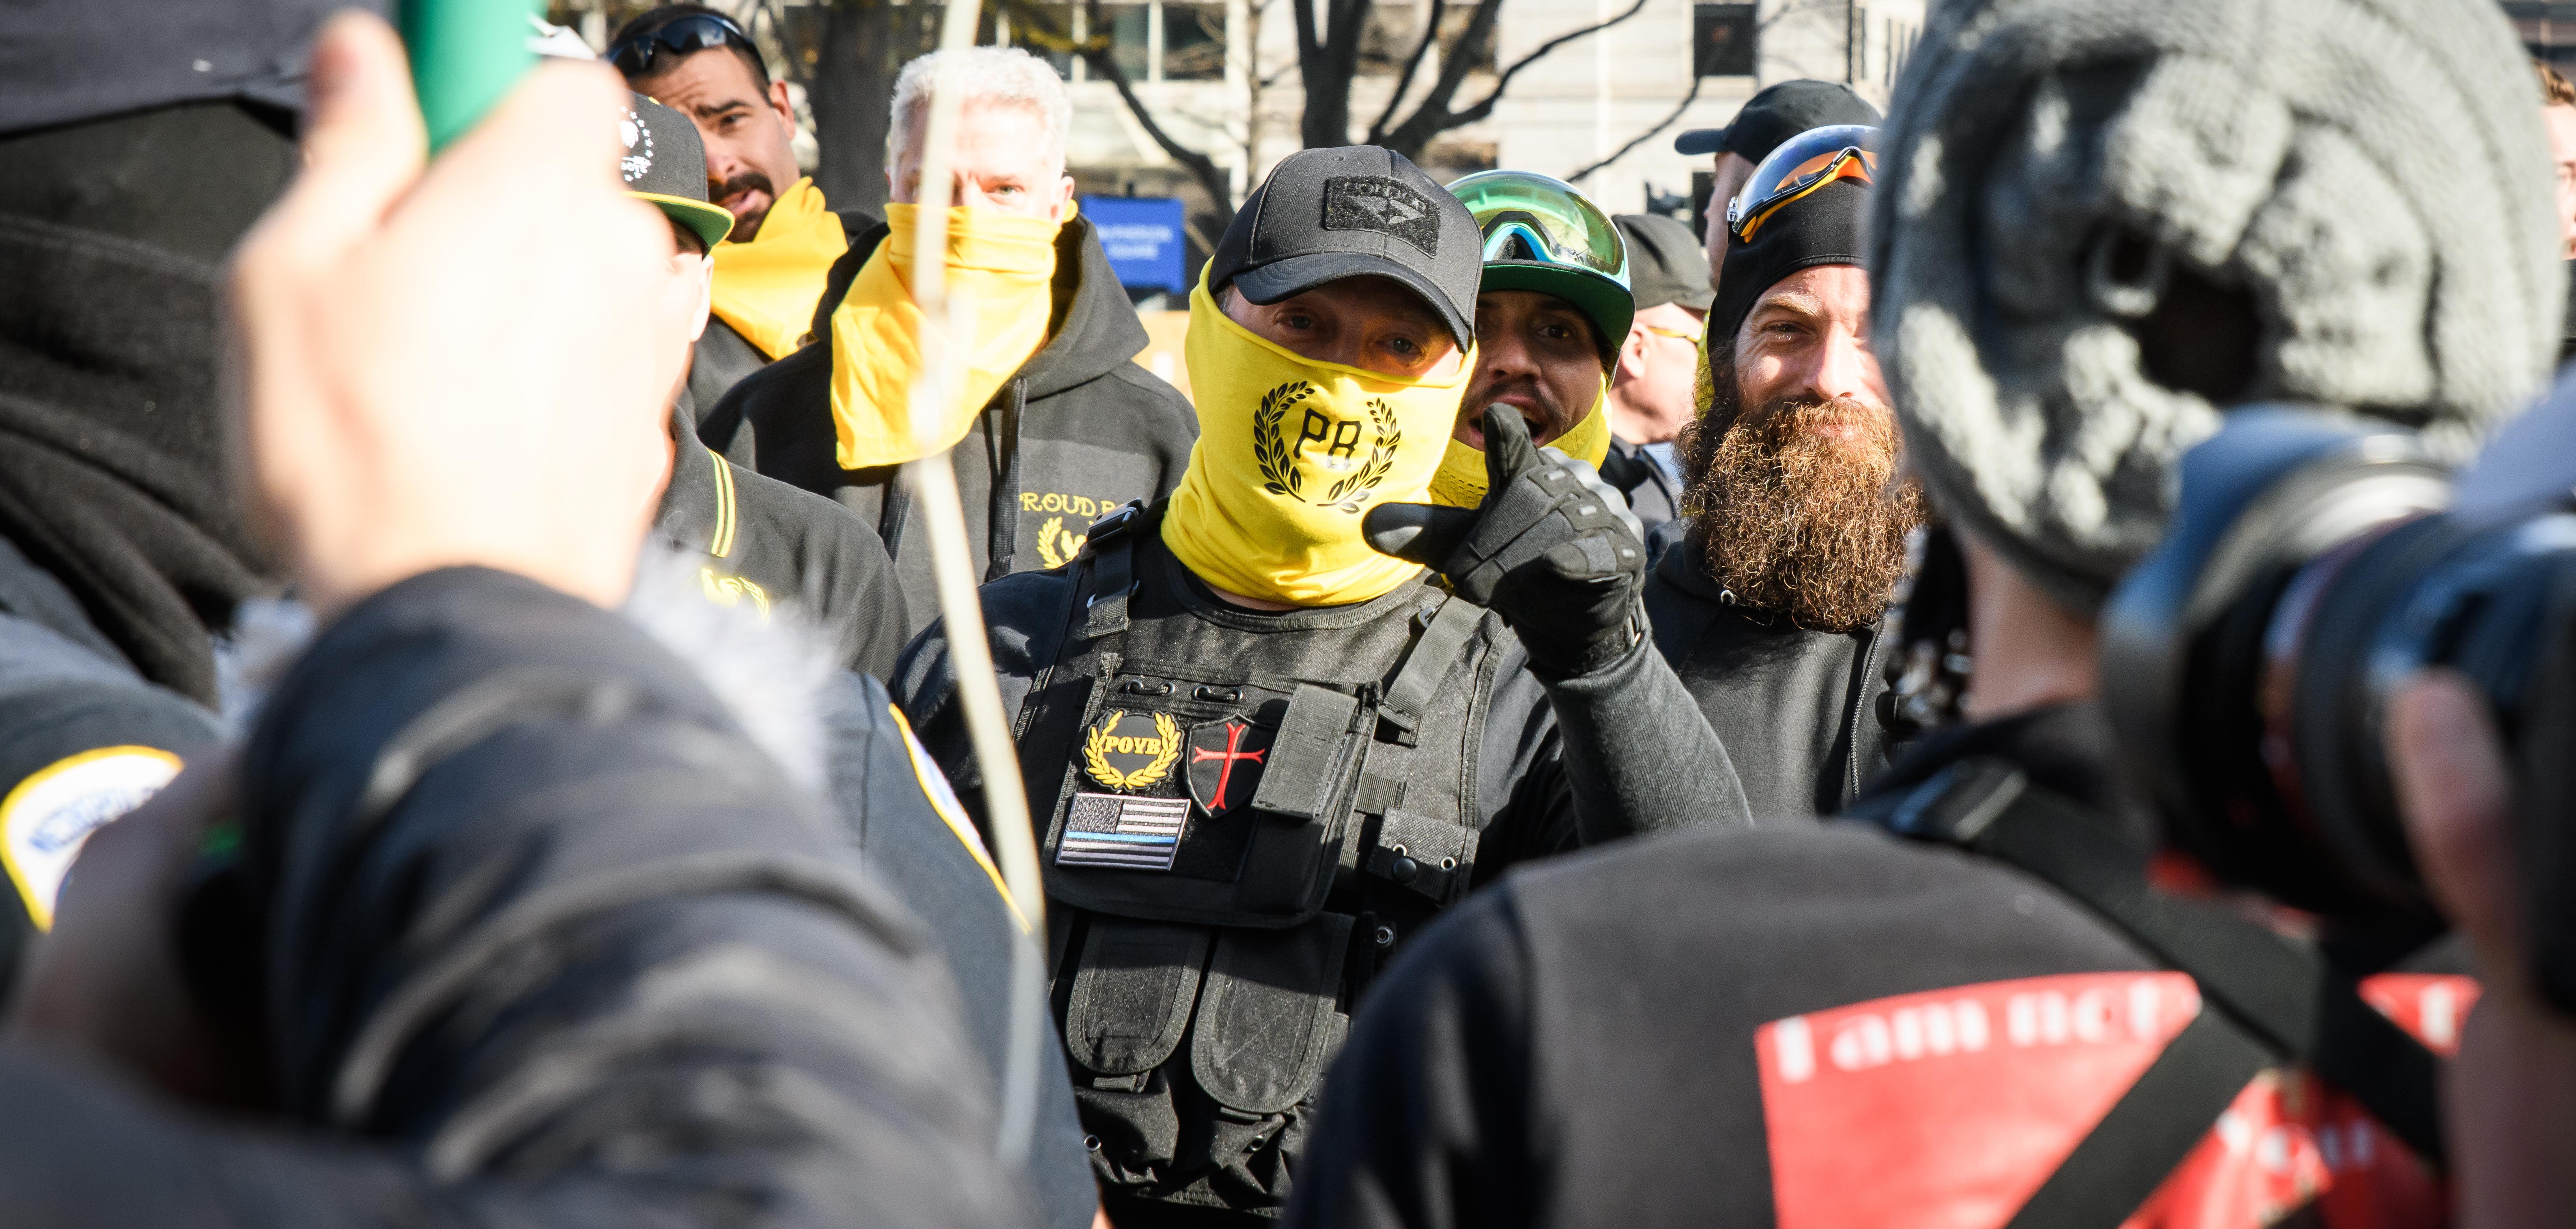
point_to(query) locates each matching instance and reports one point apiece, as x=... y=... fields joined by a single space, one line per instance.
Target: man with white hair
x=1054 y=427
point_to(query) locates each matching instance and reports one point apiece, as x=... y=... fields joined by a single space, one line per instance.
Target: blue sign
x=1143 y=238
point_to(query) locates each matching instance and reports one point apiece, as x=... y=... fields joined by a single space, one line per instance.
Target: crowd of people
x=1571 y=722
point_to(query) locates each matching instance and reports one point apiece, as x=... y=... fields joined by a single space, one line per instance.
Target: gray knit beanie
x=2372 y=173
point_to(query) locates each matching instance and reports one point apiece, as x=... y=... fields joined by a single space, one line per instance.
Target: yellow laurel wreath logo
x=1278 y=459
x=1164 y=746
x=1056 y=547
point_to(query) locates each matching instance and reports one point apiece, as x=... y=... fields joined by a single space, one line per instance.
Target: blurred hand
x=444 y=368
x=105 y=981
x=2511 y=1101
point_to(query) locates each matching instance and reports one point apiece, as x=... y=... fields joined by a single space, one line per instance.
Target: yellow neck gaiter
x=1001 y=264
x=1461 y=480
x=1291 y=453
x=767 y=288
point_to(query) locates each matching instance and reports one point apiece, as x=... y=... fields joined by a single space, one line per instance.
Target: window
x=1193 y=42
x=1033 y=24
x=1722 y=35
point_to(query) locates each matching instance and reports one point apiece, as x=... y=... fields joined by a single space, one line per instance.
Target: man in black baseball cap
x=764 y=543
x=1261 y=754
x=1651 y=389
x=1776 y=114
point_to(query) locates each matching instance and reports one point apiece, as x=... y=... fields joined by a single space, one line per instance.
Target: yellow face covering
x=1291 y=454
x=766 y=289
x=1461 y=480
x=1002 y=264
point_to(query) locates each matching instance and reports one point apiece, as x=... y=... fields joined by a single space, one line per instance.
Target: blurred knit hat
x=2370 y=174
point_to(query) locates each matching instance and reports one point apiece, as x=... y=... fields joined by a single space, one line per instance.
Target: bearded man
x=1771 y=600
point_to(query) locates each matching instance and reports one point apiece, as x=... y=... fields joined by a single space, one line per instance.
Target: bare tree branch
x=1032 y=23
x=1404 y=80
x=1434 y=116
x=1642 y=137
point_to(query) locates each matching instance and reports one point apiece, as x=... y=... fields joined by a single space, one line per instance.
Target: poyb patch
x=50 y=815
x=1128 y=752
x=1225 y=762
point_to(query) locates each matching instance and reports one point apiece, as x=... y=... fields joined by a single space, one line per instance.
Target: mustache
x=1540 y=394
x=748 y=181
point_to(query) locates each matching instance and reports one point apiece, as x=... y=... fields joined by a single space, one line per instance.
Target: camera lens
x=2249 y=662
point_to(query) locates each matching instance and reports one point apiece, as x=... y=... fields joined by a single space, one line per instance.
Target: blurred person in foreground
x=1772 y=598
x=769 y=271
x=123 y=550
x=2171 y=210
x=1261 y=754
x=766 y=545
x=1650 y=388
x=518 y=923
x=1776 y=114
x=1054 y=425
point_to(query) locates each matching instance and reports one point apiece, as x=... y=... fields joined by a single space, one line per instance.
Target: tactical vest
x=1239 y=829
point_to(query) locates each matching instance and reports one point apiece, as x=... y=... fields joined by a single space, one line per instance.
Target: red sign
x=1947 y=1109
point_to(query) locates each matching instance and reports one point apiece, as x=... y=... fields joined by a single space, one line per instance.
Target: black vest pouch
x=1304 y=806
x=1264 y=1033
x=1132 y=995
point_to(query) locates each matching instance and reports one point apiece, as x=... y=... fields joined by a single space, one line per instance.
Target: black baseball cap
x=1777 y=114
x=1353 y=211
x=666 y=163
x=1666 y=263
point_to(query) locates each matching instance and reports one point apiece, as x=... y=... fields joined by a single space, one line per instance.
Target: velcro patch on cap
x=1374 y=202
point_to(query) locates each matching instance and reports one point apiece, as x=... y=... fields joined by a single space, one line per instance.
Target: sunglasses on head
x=695 y=32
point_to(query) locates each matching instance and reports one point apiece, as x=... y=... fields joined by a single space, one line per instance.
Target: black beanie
x=1823 y=227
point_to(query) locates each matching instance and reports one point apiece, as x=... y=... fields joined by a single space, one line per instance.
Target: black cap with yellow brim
x=666 y=164
x=1542 y=235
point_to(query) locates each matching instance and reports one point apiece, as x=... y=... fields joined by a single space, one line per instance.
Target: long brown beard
x=1793 y=522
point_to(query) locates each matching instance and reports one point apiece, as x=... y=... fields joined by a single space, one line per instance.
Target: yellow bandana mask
x=1002 y=264
x=1461 y=480
x=767 y=288
x=1291 y=454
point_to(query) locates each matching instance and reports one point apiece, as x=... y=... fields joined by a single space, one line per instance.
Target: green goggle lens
x=1532 y=217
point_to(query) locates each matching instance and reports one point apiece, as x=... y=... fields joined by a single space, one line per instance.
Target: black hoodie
x=1077 y=431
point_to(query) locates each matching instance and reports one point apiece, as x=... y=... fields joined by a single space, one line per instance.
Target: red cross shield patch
x=1225 y=762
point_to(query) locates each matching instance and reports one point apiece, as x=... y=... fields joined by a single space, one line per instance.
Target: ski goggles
x=1531 y=218
x=1802 y=165
x=693 y=33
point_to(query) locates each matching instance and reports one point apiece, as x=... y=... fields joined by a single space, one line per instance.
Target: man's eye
x=1405 y=346
x=1298 y=320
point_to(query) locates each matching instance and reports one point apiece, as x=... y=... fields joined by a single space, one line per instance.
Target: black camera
x=2247 y=666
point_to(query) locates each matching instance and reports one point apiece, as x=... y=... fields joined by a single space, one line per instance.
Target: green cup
x=465 y=54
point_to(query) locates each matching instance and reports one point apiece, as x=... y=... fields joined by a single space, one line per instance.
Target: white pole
x=947 y=341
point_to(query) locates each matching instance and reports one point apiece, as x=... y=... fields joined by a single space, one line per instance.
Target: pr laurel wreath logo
x=1281 y=473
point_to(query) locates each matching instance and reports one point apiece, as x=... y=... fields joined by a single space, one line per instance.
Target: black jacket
x=1800 y=1025
x=766 y=542
x=1797 y=709
x=723 y=357
x=544 y=938
x=1652 y=492
x=1078 y=431
x=83 y=739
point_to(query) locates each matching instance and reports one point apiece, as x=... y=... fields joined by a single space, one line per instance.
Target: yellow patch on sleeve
x=49 y=816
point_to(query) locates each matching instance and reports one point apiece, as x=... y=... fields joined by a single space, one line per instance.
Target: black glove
x=1552 y=549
